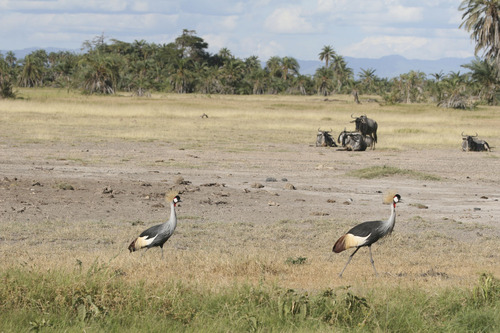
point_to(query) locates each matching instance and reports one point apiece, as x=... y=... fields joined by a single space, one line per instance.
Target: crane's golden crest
x=169 y=197
x=389 y=196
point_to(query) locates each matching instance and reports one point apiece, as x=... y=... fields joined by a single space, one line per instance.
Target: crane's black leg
x=371 y=260
x=348 y=261
x=161 y=251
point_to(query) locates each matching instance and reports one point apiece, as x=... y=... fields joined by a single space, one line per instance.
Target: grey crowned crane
x=157 y=235
x=367 y=233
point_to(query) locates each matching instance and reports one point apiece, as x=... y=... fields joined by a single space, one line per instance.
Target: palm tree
x=232 y=73
x=485 y=74
x=5 y=80
x=368 y=78
x=324 y=80
x=32 y=72
x=225 y=54
x=289 y=65
x=326 y=54
x=101 y=72
x=341 y=72
x=435 y=86
x=301 y=84
x=455 y=87
x=409 y=86
x=207 y=78
x=181 y=76
x=258 y=79
x=481 y=18
x=11 y=59
x=273 y=66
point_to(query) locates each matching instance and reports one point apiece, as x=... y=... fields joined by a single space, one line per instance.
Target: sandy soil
x=124 y=182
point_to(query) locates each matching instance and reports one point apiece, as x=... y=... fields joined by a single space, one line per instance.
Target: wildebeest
x=354 y=141
x=366 y=126
x=324 y=139
x=370 y=143
x=472 y=143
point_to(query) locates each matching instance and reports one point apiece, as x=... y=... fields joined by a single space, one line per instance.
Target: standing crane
x=157 y=235
x=365 y=234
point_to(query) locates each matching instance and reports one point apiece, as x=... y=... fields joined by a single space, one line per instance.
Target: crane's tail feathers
x=347 y=241
x=139 y=243
x=169 y=197
x=340 y=245
x=131 y=247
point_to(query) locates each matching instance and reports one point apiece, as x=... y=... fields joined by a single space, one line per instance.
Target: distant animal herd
x=365 y=136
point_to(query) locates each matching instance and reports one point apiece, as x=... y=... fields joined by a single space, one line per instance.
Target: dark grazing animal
x=370 y=143
x=472 y=143
x=157 y=235
x=365 y=234
x=352 y=141
x=366 y=126
x=324 y=139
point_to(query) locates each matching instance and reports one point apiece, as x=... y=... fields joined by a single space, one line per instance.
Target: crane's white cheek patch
x=353 y=241
x=143 y=242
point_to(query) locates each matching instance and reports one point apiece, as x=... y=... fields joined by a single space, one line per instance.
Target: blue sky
x=420 y=29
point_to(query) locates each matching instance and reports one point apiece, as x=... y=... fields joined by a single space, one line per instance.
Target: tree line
x=185 y=66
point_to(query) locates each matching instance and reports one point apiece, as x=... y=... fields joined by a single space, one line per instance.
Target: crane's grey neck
x=389 y=224
x=170 y=225
x=173 y=216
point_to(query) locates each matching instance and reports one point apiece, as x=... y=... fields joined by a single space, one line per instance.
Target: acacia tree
x=192 y=46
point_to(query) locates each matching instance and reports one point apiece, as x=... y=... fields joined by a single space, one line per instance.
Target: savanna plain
x=82 y=176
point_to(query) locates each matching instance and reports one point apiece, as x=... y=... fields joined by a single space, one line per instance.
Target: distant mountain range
x=385 y=67
x=393 y=65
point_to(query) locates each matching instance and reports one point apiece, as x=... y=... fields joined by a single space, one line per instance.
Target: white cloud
x=378 y=46
x=267 y=49
x=288 y=20
x=409 y=47
x=324 y=6
x=216 y=42
x=298 y=28
x=403 y=14
x=140 y=7
x=228 y=23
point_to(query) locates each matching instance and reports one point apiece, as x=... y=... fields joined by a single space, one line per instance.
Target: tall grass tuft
x=102 y=298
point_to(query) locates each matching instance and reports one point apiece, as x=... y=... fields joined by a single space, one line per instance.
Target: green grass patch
x=102 y=298
x=387 y=171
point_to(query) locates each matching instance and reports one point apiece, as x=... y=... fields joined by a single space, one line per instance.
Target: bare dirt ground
x=83 y=200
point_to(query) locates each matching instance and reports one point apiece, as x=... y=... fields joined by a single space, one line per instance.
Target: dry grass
x=235 y=122
x=211 y=254
x=236 y=253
